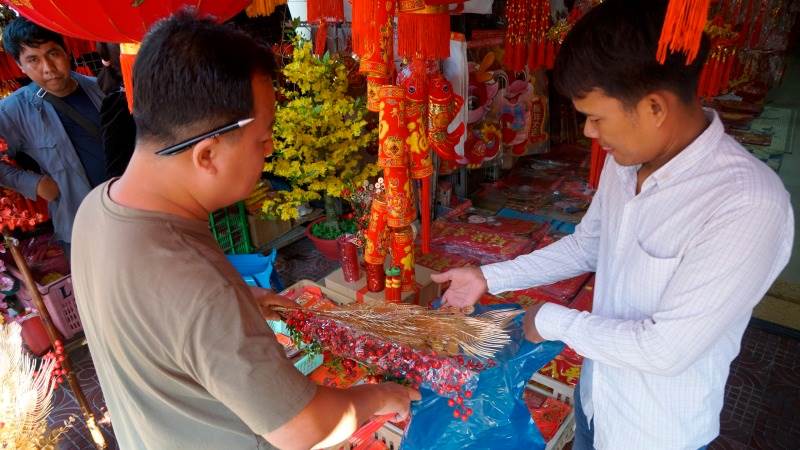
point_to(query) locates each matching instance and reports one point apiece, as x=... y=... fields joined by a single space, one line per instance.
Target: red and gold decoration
x=376 y=277
x=394 y=282
x=372 y=32
x=403 y=257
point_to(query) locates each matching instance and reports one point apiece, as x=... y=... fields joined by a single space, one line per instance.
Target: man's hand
x=529 y=324
x=396 y=400
x=266 y=299
x=467 y=285
x=47 y=189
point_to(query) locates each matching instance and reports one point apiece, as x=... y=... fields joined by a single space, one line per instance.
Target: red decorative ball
x=468 y=411
x=464 y=418
x=459 y=400
x=468 y=394
x=60 y=380
x=451 y=403
x=456 y=414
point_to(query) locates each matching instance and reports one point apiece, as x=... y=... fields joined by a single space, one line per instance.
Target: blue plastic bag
x=500 y=418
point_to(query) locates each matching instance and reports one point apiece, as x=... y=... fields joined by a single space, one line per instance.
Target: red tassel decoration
x=321 y=39
x=683 y=28
x=424 y=34
x=127 y=56
x=325 y=10
x=596 y=162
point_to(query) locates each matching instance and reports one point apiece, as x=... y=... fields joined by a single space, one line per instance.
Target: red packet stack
x=548 y=413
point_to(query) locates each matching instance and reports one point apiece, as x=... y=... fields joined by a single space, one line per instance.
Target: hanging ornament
x=373 y=42
x=443 y=106
x=424 y=33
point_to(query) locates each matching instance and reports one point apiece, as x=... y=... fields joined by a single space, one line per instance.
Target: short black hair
x=22 y=31
x=613 y=48
x=192 y=73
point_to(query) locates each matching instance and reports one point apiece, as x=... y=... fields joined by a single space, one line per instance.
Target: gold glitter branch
x=443 y=331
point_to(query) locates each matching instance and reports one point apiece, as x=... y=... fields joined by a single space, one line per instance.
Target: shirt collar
x=690 y=156
x=686 y=159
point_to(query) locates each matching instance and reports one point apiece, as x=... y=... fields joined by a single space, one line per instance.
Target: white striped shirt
x=679 y=269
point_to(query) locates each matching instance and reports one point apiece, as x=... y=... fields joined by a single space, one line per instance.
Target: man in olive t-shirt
x=181 y=349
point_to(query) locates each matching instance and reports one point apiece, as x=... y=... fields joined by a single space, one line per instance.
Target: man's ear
x=656 y=108
x=204 y=155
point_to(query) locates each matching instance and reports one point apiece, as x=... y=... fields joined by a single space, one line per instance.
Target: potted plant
x=321 y=136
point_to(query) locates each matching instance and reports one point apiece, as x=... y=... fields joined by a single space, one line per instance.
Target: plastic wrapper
x=500 y=418
x=484 y=246
x=441 y=261
x=450 y=376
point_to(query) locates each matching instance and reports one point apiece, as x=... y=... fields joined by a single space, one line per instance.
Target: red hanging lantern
x=122 y=21
x=115 y=20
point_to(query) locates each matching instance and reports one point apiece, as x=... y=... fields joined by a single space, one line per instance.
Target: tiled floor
x=762 y=398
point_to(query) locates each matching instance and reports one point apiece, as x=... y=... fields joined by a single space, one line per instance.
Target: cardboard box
x=427 y=292
x=264 y=231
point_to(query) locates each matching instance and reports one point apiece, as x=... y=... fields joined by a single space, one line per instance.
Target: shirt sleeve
x=22 y=181
x=724 y=273
x=233 y=354
x=570 y=256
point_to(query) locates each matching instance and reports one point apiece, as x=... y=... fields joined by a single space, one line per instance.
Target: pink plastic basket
x=60 y=302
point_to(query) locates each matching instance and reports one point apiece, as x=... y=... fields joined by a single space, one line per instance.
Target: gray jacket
x=31 y=125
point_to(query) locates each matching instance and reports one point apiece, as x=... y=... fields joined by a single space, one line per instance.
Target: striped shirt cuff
x=552 y=321
x=494 y=278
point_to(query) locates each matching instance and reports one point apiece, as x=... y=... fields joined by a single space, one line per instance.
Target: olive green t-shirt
x=184 y=359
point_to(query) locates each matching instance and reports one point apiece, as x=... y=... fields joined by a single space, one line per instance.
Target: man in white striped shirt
x=686 y=233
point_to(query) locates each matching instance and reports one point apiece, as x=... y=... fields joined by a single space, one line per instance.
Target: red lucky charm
x=443 y=106
x=416 y=97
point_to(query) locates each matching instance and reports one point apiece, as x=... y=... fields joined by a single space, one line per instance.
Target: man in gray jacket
x=56 y=121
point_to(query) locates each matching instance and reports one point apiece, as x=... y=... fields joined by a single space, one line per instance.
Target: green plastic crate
x=231 y=229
